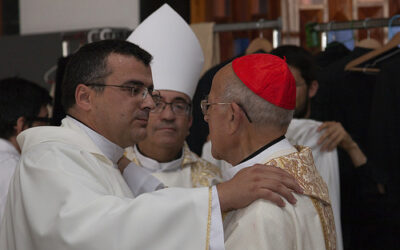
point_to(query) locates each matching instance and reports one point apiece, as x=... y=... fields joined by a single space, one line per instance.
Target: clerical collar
x=111 y=150
x=155 y=166
x=282 y=147
x=263 y=148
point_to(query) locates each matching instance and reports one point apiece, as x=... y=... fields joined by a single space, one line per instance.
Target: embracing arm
x=74 y=200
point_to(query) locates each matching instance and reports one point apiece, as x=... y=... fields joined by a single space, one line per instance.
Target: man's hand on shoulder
x=257 y=182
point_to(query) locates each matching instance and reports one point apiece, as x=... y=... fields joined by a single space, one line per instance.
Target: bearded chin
x=301 y=112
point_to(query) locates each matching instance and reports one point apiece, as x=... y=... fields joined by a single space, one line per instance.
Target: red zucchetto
x=269 y=77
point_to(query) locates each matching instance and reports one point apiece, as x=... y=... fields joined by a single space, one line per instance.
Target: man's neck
x=159 y=153
x=250 y=143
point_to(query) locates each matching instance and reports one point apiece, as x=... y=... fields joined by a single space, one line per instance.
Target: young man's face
x=119 y=115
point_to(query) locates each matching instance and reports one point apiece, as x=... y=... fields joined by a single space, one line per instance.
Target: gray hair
x=260 y=111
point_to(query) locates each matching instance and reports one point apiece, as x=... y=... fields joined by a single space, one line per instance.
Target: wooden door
x=394 y=7
x=371 y=12
x=234 y=11
x=309 y=16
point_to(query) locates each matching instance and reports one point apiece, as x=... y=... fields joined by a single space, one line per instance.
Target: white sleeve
x=140 y=180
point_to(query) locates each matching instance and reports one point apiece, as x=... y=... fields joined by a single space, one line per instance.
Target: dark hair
x=89 y=64
x=19 y=98
x=299 y=58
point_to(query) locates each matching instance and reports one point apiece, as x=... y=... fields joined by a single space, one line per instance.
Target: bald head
x=224 y=78
x=260 y=111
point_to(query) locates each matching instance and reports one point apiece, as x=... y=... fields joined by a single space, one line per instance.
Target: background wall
x=41 y=16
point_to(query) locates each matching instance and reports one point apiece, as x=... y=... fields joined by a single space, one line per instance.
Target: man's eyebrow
x=137 y=83
x=181 y=99
x=134 y=82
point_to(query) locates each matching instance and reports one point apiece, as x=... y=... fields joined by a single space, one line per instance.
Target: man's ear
x=21 y=125
x=236 y=118
x=313 y=88
x=83 y=96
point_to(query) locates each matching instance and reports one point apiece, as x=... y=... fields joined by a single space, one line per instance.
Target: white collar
x=280 y=148
x=111 y=150
x=155 y=166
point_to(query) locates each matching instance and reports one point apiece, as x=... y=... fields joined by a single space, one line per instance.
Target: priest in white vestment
x=67 y=192
x=304 y=132
x=177 y=63
x=248 y=110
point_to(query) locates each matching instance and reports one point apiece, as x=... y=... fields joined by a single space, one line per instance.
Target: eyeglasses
x=205 y=105
x=177 y=107
x=136 y=90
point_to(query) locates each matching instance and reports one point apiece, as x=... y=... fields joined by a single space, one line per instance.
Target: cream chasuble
x=304 y=132
x=187 y=171
x=305 y=226
x=66 y=194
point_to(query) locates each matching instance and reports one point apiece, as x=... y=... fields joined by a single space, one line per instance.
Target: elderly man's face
x=216 y=116
x=169 y=123
x=120 y=116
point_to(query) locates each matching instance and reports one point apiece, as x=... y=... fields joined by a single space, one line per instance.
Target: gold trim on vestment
x=209 y=218
x=301 y=166
x=326 y=220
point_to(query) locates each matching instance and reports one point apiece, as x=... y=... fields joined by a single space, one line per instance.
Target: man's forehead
x=172 y=95
x=216 y=87
x=221 y=77
x=130 y=69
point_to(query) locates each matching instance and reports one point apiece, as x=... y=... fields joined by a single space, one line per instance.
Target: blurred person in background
x=23 y=104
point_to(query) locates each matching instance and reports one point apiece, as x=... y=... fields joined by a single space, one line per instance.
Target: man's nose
x=167 y=113
x=148 y=102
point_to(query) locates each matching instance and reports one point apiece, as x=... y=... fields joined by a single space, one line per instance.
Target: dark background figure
x=366 y=106
x=23 y=104
x=58 y=110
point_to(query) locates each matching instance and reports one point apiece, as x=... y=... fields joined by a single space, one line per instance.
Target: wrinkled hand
x=333 y=135
x=123 y=163
x=257 y=182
